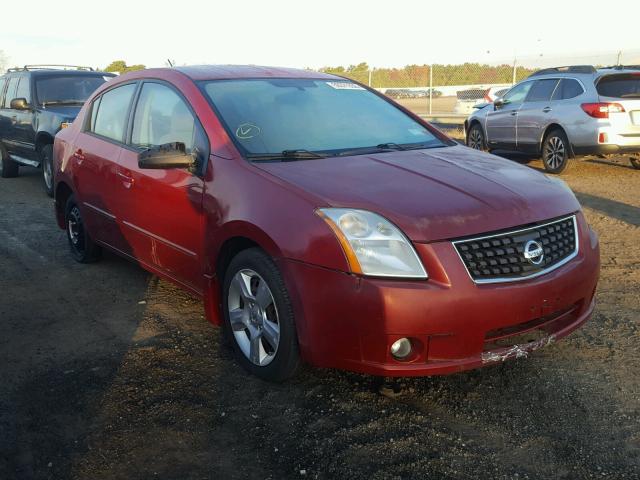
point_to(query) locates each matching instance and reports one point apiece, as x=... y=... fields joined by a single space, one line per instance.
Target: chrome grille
x=500 y=257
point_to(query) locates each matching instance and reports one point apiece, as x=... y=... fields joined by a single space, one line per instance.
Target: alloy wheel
x=75 y=229
x=475 y=139
x=254 y=317
x=47 y=172
x=554 y=152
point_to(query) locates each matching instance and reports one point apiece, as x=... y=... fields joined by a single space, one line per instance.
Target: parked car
x=565 y=112
x=409 y=93
x=36 y=101
x=472 y=98
x=320 y=222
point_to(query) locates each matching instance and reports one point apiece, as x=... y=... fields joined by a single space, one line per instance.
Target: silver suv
x=564 y=112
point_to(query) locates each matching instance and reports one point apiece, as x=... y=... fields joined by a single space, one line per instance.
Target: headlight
x=373 y=245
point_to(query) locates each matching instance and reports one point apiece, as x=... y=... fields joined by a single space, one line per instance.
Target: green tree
x=120 y=66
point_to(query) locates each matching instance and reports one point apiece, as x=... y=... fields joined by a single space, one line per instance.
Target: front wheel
x=475 y=138
x=555 y=151
x=259 y=316
x=46 y=160
x=83 y=249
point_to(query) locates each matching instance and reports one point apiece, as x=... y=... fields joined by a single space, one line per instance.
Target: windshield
x=67 y=89
x=271 y=116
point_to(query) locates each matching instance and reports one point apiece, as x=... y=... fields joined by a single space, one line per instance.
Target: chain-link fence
x=447 y=93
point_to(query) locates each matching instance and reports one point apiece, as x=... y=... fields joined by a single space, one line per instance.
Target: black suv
x=36 y=101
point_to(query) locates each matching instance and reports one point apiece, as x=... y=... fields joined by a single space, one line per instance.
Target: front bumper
x=349 y=322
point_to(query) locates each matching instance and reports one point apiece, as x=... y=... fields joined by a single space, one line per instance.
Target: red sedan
x=322 y=222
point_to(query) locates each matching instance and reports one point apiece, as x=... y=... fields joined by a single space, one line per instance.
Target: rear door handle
x=78 y=155
x=546 y=109
x=513 y=114
x=127 y=179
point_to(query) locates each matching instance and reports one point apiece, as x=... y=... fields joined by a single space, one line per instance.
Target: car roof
x=221 y=72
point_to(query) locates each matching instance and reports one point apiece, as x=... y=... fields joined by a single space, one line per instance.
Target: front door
x=535 y=114
x=501 y=122
x=160 y=211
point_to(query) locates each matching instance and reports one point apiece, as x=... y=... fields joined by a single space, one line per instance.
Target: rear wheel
x=46 y=160
x=635 y=162
x=259 y=317
x=555 y=151
x=8 y=168
x=475 y=138
x=83 y=249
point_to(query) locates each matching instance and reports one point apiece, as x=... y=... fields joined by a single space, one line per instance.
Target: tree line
x=418 y=75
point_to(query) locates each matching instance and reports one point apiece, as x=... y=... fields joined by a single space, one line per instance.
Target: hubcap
x=46 y=172
x=554 y=152
x=475 y=139
x=75 y=228
x=254 y=317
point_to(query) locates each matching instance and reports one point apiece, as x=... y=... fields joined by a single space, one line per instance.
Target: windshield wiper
x=286 y=155
x=62 y=102
x=390 y=146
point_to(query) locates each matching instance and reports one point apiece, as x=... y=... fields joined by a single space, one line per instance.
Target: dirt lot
x=107 y=372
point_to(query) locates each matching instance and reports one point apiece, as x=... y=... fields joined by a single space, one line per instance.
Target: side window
x=518 y=93
x=94 y=112
x=3 y=82
x=568 y=88
x=24 y=89
x=110 y=119
x=162 y=117
x=542 y=90
x=11 y=92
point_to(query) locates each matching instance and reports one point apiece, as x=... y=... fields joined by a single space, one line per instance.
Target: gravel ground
x=107 y=372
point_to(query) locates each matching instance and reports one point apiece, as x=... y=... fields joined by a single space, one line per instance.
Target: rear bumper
x=350 y=322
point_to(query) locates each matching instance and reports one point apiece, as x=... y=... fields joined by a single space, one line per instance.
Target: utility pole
x=430 y=87
x=513 y=78
x=370 y=71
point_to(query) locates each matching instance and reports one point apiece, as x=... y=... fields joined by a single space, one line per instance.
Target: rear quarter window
x=624 y=85
x=568 y=88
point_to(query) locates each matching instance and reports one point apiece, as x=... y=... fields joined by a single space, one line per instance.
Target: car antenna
x=170 y=63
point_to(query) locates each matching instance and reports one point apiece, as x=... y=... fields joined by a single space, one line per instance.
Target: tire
x=83 y=249
x=635 y=162
x=475 y=138
x=555 y=151
x=258 y=317
x=8 y=168
x=46 y=161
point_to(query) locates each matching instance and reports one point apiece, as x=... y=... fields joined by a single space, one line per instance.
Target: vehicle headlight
x=373 y=245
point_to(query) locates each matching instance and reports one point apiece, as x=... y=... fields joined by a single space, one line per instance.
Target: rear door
x=535 y=114
x=501 y=122
x=160 y=211
x=97 y=149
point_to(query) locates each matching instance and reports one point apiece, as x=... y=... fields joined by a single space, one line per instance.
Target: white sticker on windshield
x=344 y=86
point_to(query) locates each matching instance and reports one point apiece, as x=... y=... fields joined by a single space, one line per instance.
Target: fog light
x=401 y=349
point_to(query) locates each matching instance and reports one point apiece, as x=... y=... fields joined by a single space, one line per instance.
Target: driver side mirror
x=19 y=104
x=498 y=103
x=169 y=155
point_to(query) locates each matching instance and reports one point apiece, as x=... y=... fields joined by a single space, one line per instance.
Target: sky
x=314 y=33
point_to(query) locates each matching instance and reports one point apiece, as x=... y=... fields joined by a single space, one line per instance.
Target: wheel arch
x=42 y=139
x=547 y=130
x=62 y=192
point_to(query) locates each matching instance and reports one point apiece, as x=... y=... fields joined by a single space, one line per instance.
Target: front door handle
x=127 y=179
x=546 y=109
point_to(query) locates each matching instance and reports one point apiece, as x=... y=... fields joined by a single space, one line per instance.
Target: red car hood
x=433 y=194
